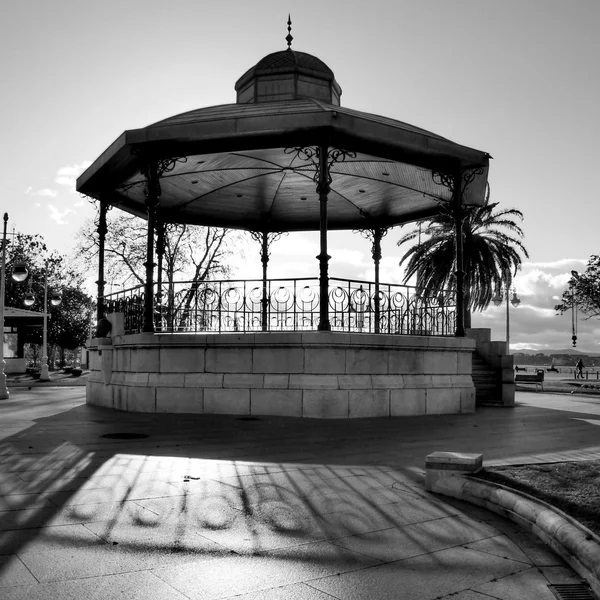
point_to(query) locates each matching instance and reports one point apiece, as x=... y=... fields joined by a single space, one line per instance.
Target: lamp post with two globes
x=515 y=301
x=55 y=300
x=17 y=276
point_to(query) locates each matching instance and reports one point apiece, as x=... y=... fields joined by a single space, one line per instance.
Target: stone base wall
x=313 y=374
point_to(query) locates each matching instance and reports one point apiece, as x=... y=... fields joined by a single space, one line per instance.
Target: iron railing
x=287 y=305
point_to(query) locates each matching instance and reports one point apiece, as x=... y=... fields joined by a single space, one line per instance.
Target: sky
x=516 y=79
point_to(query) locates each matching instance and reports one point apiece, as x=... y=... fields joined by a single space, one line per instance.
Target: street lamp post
x=3 y=388
x=55 y=300
x=515 y=301
x=19 y=275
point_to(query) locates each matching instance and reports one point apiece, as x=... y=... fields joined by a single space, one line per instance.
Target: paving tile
x=14 y=572
x=221 y=578
x=425 y=577
x=175 y=534
x=22 y=501
x=106 y=558
x=560 y=574
x=130 y=586
x=412 y=540
x=530 y=583
x=537 y=552
x=298 y=591
x=501 y=546
x=470 y=595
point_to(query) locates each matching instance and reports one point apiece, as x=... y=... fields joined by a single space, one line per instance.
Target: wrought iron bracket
x=312 y=154
x=374 y=235
x=271 y=238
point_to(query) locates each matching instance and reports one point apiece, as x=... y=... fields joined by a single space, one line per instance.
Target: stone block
x=371 y=339
x=366 y=360
x=106 y=364
x=242 y=380
x=437 y=481
x=440 y=362
x=119 y=378
x=293 y=338
x=203 y=380
x=464 y=363
x=305 y=382
x=233 y=340
x=179 y=400
x=369 y=403
x=181 y=360
x=461 y=381
x=407 y=402
x=140 y=379
x=443 y=401
x=417 y=381
x=388 y=381
x=139 y=399
x=325 y=360
x=407 y=361
x=508 y=394
x=278 y=360
x=280 y=382
x=166 y=379
x=119 y=397
x=467 y=400
x=226 y=401
x=439 y=465
x=357 y=382
x=97 y=394
x=325 y=404
x=122 y=359
x=228 y=360
x=282 y=403
x=333 y=338
x=441 y=381
x=145 y=359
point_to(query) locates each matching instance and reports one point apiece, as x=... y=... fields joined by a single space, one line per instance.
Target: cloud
x=43 y=192
x=563 y=264
x=68 y=175
x=58 y=215
x=534 y=323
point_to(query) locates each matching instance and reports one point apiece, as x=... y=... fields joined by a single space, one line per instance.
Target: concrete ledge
x=441 y=465
x=573 y=542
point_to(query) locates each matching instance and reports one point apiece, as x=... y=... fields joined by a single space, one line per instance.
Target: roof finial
x=289 y=37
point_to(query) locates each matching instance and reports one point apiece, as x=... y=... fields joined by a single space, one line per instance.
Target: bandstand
x=285 y=157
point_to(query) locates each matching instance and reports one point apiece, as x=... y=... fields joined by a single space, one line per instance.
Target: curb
x=573 y=542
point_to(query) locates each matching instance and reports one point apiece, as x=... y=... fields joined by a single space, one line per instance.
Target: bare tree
x=192 y=254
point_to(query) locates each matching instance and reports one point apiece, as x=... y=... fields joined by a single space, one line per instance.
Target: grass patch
x=573 y=487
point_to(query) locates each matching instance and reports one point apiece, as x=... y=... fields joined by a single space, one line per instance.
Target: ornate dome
x=286 y=59
x=288 y=75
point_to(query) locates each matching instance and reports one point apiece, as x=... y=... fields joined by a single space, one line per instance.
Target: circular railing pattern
x=288 y=305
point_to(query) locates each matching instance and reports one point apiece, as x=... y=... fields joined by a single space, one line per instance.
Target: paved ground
x=270 y=508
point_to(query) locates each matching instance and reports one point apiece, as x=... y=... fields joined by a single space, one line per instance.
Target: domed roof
x=292 y=59
x=288 y=75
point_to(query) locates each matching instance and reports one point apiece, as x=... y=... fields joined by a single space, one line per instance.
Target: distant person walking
x=579 y=369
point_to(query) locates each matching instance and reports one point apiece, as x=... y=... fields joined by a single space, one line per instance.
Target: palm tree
x=491 y=253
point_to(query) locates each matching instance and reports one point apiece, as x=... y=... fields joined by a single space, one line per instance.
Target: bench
x=537 y=379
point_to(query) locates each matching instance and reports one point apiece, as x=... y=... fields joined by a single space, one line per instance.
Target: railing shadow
x=214 y=485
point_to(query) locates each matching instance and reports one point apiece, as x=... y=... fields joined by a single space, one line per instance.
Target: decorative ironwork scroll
x=265 y=239
x=271 y=238
x=312 y=154
x=293 y=305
